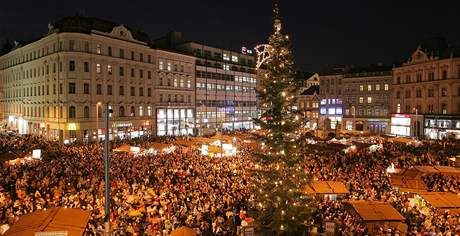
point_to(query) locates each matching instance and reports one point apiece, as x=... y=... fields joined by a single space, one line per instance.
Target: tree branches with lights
x=281 y=206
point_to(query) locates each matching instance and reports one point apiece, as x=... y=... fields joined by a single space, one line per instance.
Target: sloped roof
x=312 y=90
x=81 y=24
x=328 y=187
x=441 y=199
x=376 y=211
x=73 y=221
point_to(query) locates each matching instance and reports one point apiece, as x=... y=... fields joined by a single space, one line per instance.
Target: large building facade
x=367 y=98
x=331 y=97
x=225 y=89
x=57 y=86
x=426 y=93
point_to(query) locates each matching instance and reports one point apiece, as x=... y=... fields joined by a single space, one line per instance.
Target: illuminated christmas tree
x=282 y=207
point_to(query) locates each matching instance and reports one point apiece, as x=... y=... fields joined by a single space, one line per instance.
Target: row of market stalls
x=216 y=146
x=410 y=182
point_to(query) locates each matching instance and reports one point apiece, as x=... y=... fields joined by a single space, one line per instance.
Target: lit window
x=386 y=87
x=369 y=87
x=98 y=49
x=98 y=68
x=226 y=67
x=361 y=100
x=234 y=58
x=377 y=87
x=161 y=65
x=141 y=111
x=175 y=82
x=149 y=111
x=398 y=108
x=181 y=83
x=109 y=69
x=169 y=66
x=361 y=88
x=189 y=83
x=369 y=99
x=226 y=57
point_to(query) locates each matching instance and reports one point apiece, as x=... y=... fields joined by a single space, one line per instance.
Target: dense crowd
x=365 y=175
x=154 y=194
x=149 y=193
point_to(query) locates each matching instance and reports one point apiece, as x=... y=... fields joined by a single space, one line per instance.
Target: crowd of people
x=150 y=194
x=365 y=175
x=155 y=194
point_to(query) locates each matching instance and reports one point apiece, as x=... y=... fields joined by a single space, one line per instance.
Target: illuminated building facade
x=225 y=88
x=426 y=92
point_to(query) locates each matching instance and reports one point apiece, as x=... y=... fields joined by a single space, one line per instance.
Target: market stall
x=328 y=189
x=71 y=221
x=376 y=215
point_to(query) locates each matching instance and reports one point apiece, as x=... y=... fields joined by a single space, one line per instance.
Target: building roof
x=376 y=211
x=85 y=25
x=312 y=90
x=336 y=69
x=441 y=199
x=73 y=221
x=372 y=70
x=326 y=187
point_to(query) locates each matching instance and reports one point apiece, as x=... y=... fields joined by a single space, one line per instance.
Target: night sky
x=323 y=32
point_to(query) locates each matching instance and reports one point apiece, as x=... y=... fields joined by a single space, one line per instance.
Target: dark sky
x=323 y=32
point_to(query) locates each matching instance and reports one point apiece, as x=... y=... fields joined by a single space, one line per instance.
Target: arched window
x=122 y=111
x=72 y=113
x=133 y=111
x=86 y=112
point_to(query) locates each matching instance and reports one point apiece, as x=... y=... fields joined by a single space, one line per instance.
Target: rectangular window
x=122 y=71
x=386 y=87
x=444 y=74
x=109 y=69
x=361 y=88
x=132 y=55
x=149 y=92
x=226 y=67
x=122 y=53
x=361 y=100
x=234 y=58
x=377 y=87
x=169 y=66
x=133 y=91
x=109 y=51
x=109 y=89
x=86 y=66
x=71 y=45
x=141 y=91
x=98 y=68
x=369 y=100
x=149 y=74
x=149 y=58
x=71 y=65
x=226 y=57
x=369 y=87
x=132 y=72
x=160 y=65
x=71 y=88
x=122 y=91
x=99 y=89
x=98 y=49
x=86 y=88
x=141 y=73
x=141 y=57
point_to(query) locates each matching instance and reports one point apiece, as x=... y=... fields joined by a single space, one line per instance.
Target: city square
x=106 y=130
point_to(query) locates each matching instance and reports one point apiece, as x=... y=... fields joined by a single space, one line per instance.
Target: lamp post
x=107 y=112
x=97 y=121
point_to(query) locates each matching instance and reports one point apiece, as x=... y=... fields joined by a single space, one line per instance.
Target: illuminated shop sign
x=246 y=51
